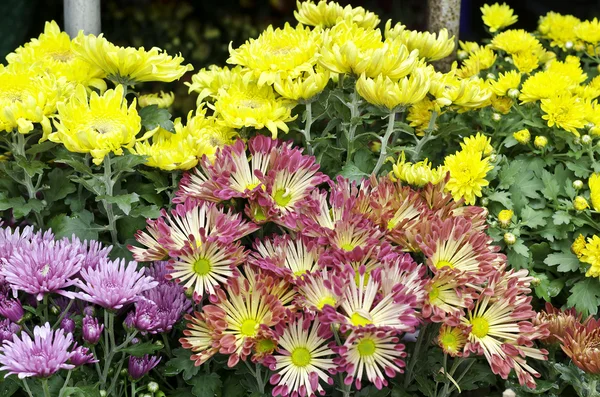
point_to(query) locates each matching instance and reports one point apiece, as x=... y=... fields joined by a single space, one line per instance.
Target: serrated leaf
x=352 y=172
x=126 y=163
x=508 y=174
x=181 y=363
x=581 y=168
x=520 y=248
x=585 y=296
x=206 y=385
x=528 y=184
x=566 y=261
x=81 y=391
x=60 y=186
x=551 y=187
x=571 y=375
x=501 y=197
x=123 y=201
x=139 y=349
x=534 y=218
x=31 y=167
x=40 y=148
x=145 y=211
x=152 y=116
x=79 y=224
x=561 y=218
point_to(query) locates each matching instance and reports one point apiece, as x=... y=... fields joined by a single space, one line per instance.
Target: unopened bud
x=153 y=387
x=485 y=201
x=540 y=141
x=490 y=76
x=580 y=203
x=569 y=45
x=102 y=393
x=513 y=93
x=462 y=54
x=510 y=238
x=586 y=139
x=522 y=136
x=496 y=116
x=493 y=158
x=55 y=310
x=535 y=281
x=159 y=344
x=508 y=60
x=577 y=184
x=505 y=217
x=124 y=372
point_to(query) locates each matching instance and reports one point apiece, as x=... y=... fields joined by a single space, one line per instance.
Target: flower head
x=431 y=46
x=467 y=170
x=452 y=340
x=7 y=330
x=12 y=309
x=208 y=82
x=81 y=355
x=325 y=14
x=564 y=111
x=591 y=254
x=90 y=329
x=417 y=174
x=305 y=86
x=594 y=184
x=559 y=323
x=41 y=357
x=497 y=16
x=522 y=136
x=113 y=284
x=383 y=91
x=506 y=81
x=128 y=65
x=161 y=100
x=559 y=29
x=140 y=366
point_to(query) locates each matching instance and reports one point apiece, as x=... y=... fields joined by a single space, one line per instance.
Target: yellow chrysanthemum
x=594 y=184
x=392 y=32
x=578 y=246
x=570 y=68
x=128 y=65
x=99 y=127
x=26 y=97
x=384 y=92
x=481 y=59
x=580 y=203
x=543 y=85
x=468 y=170
x=588 y=31
x=478 y=143
x=505 y=82
x=326 y=14
x=587 y=91
x=565 y=111
x=522 y=136
x=465 y=93
x=304 y=87
x=417 y=174
x=517 y=41
x=162 y=99
x=497 y=16
x=591 y=254
x=468 y=46
x=52 y=52
x=452 y=340
x=209 y=132
x=526 y=62
x=559 y=29
x=245 y=104
x=207 y=82
x=501 y=104
x=592 y=116
x=419 y=115
x=431 y=46
x=278 y=53
x=505 y=217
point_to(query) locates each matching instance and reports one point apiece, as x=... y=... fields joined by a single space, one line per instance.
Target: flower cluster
x=337 y=287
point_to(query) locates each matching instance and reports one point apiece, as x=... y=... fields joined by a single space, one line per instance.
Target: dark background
x=201 y=30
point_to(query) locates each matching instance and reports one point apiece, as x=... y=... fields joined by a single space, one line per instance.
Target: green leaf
x=153 y=116
x=126 y=163
x=581 y=168
x=31 y=167
x=40 y=148
x=55 y=383
x=60 y=186
x=206 y=385
x=520 y=248
x=82 y=391
x=501 y=197
x=8 y=386
x=77 y=164
x=123 y=201
x=551 y=188
x=571 y=375
x=561 y=218
x=352 y=172
x=233 y=388
x=19 y=207
x=181 y=362
x=508 y=174
x=139 y=349
x=585 y=296
x=534 y=218
x=566 y=261
x=80 y=224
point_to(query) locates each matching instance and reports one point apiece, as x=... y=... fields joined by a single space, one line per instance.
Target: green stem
x=256 y=373
x=63 y=314
x=167 y=345
x=307 y=126
x=462 y=375
x=354 y=107
x=132 y=389
x=413 y=358
x=384 y=142
x=65 y=385
x=109 y=184
x=46 y=388
x=420 y=144
x=27 y=181
x=593 y=388
x=27 y=389
x=46 y=313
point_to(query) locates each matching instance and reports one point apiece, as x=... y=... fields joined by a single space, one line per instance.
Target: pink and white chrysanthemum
x=200 y=338
x=325 y=287
x=354 y=235
x=304 y=360
x=281 y=288
x=373 y=355
x=363 y=308
x=500 y=328
x=153 y=250
x=400 y=273
x=287 y=257
x=453 y=243
x=448 y=295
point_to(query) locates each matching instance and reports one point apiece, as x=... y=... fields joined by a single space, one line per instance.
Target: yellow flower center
x=301 y=357
x=251 y=186
x=357 y=279
x=282 y=198
x=348 y=246
x=265 y=346
x=250 y=104
x=64 y=56
x=328 y=300
x=434 y=294
x=392 y=223
x=366 y=347
x=249 y=327
x=103 y=127
x=449 y=341
x=359 y=320
x=481 y=327
x=444 y=263
x=259 y=214
x=202 y=267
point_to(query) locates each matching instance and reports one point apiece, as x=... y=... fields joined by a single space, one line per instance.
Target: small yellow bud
x=522 y=136
x=540 y=141
x=586 y=139
x=535 y=281
x=580 y=203
x=577 y=184
x=490 y=76
x=505 y=217
x=375 y=146
x=579 y=47
x=462 y=54
x=513 y=93
x=509 y=238
x=496 y=116
x=578 y=245
x=569 y=45
x=153 y=387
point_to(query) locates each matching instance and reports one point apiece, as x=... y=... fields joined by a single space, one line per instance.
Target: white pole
x=82 y=15
x=445 y=14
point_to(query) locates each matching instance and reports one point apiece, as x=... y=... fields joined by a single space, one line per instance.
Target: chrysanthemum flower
x=559 y=322
x=245 y=104
x=478 y=143
x=170 y=151
x=113 y=284
x=304 y=87
x=516 y=41
x=372 y=355
x=417 y=174
x=588 y=31
x=53 y=51
x=526 y=62
x=448 y=295
x=127 y=65
x=99 y=127
x=591 y=254
x=400 y=273
x=317 y=289
x=140 y=366
x=431 y=46
x=543 y=85
x=91 y=331
x=383 y=91
x=594 y=184
x=580 y=344
x=303 y=360
x=522 y=136
x=569 y=68
x=12 y=309
x=500 y=329
x=40 y=357
x=278 y=53
x=506 y=81
x=287 y=257
x=208 y=82
x=420 y=114
x=41 y=269
x=559 y=29
x=153 y=250
x=497 y=16
x=162 y=99
x=280 y=288
x=451 y=340
x=7 y=330
x=354 y=234
x=564 y=111
x=479 y=60
x=325 y=14
x=27 y=98
x=467 y=174
x=200 y=338
x=468 y=94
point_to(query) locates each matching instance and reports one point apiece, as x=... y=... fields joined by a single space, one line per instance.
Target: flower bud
x=89 y=311
x=91 y=330
x=159 y=344
x=505 y=217
x=513 y=93
x=81 y=356
x=580 y=203
x=375 y=146
x=535 y=282
x=577 y=184
x=577 y=140
x=67 y=324
x=153 y=387
x=578 y=246
x=490 y=76
x=102 y=393
x=540 y=141
x=493 y=157
x=508 y=59
x=462 y=54
x=569 y=45
x=55 y=310
x=12 y=309
x=522 y=136
x=484 y=201
x=496 y=116
x=586 y=139
x=509 y=238
x=124 y=372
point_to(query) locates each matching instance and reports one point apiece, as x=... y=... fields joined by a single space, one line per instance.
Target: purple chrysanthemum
x=41 y=357
x=113 y=284
x=11 y=240
x=91 y=330
x=11 y=309
x=40 y=268
x=140 y=366
x=7 y=330
x=93 y=251
x=81 y=356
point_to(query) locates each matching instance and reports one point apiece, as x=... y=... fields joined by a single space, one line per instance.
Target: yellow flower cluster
x=417 y=174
